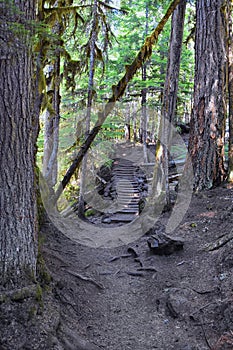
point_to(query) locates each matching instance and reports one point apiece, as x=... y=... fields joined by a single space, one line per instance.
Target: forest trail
x=126 y=297
x=129 y=182
x=129 y=298
x=124 y=187
x=127 y=186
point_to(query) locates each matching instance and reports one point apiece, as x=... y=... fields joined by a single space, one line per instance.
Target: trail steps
x=125 y=188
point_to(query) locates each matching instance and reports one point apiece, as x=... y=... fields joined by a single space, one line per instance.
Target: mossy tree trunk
x=144 y=114
x=18 y=133
x=206 y=145
x=52 y=115
x=89 y=105
x=170 y=96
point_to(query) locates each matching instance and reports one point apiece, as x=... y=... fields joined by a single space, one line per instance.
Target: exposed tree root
x=85 y=278
x=114 y=258
x=224 y=342
x=220 y=242
x=73 y=341
x=19 y=294
x=55 y=253
x=135 y=273
x=204 y=333
x=147 y=268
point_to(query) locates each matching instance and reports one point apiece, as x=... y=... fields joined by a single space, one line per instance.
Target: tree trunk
x=170 y=91
x=127 y=132
x=206 y=145
x=18 y=132
x=89 y=106
x=52 y=118
x=144 y=116
x=134 y=121
x=173 y=65
x=230 y=90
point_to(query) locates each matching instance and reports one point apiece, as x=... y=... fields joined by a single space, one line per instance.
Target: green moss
x=39 y=294
x=32 y=312
x=90 y=212
x=19 y=296
x=3 y=298
x=40 y=206
x=43 y=274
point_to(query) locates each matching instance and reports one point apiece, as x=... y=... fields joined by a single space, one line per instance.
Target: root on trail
x=19 y=294
x=72 y=341
x=85 y=278
x=225 y=340
x=220 y=242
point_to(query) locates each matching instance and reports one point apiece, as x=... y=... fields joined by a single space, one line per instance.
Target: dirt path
x=128 y=298
x=182 y=301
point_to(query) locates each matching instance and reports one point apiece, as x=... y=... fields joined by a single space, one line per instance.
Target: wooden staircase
x=125 y=191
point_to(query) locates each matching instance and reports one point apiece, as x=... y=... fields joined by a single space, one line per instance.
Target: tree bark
x=52 y=118
x=93 y=39
x=173 y=65
x=206 y=145
x=18 y=132
x=144 y=116
x=230 y=89
x=117 y=92
x=170 y=93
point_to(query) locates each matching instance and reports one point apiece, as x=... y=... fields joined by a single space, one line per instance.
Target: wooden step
x=124 y=218
x=123 y=173
x=123 y=191
x=129 y=211
x=127 y=200
x=125 y=183
x=126 y=189
x=128 y=204
x=125 y=178
x=128 y=168
x=125 y=168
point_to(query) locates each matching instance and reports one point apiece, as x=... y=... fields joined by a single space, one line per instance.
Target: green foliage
x=90 y=212
x=39 y=202
x=32 y=312
x=39 y=294
x=120 y=35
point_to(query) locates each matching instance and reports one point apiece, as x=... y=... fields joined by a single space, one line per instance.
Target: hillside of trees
x=116 y=153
